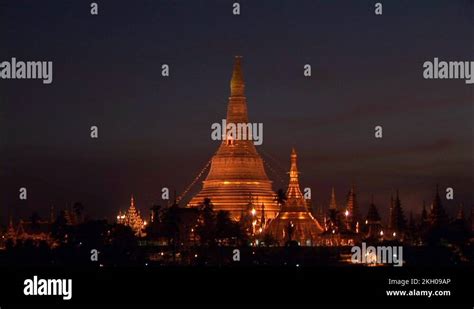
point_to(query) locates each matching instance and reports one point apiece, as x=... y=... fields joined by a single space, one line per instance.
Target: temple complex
x=35 y=231
x=295 y=221
x=237 y=170
x=132 y=218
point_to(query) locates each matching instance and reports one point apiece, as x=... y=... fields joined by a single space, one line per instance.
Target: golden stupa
x=237 y=170
x=295 y=222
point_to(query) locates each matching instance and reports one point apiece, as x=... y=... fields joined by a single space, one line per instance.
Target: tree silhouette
x=206 y=223
x=281 y=197
x=170 y=221
x=228 y=231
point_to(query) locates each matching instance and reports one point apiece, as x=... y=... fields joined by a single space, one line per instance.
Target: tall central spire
x=237 y=114
x=237 y=107
x=237 y=85
x=236 y=168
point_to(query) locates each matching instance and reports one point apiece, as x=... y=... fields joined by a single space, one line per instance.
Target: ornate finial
x=237 y=85
x=293 y=158
x=293 y=169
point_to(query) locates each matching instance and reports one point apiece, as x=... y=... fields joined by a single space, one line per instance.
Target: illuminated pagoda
x=35 y=231
x=333 y=220
x=133 y=219
x=373 y=222
x=351 y=214
x=236 y=169
x=294 y=221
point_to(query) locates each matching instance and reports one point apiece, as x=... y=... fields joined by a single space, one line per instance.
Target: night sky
x=155 y=131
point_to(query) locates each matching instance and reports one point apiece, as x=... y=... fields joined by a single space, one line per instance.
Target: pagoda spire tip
x=237 y=85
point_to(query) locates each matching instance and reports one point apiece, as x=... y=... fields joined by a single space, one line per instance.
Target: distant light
x=297 y=265
x=346 y=213
x=253 y=211
x=195 y=255
x=381 y=233
x=366 y=221
x=394 y=234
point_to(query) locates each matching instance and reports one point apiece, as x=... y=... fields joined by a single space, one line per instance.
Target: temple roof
x=373 y=214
